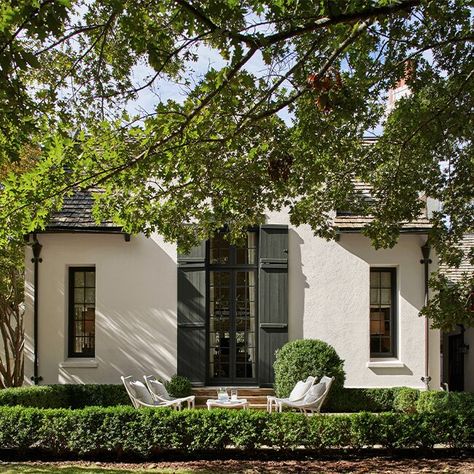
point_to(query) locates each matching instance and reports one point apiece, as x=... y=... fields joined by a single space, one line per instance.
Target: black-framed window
x=81 y=328
x=383 y=312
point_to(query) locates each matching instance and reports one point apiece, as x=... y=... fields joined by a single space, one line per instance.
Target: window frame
x=393 y=314
x=71 y=320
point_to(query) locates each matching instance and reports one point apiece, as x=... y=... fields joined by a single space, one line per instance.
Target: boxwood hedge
x=145 y=433
x=347 y=400
x=65 y=396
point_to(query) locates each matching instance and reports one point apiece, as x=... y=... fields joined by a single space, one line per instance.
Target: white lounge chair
x=314 y=398
x=298 y=393
x=141 y=396
x=160 y=394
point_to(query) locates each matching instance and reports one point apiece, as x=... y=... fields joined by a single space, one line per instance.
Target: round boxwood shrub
x=298 y=359
x=179 y=386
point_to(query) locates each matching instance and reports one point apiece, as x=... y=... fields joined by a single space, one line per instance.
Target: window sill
x=79 y=363
x=385 y=364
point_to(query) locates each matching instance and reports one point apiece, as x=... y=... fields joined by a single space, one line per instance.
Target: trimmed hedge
x=65 y=396
x=352 y=400
x=347 y=400
x=438 y=402
x=124 y=431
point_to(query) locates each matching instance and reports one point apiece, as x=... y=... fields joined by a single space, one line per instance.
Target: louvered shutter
x=273 y=298
x=192 y=314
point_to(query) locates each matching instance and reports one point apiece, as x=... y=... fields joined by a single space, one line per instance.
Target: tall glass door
x=232 y=323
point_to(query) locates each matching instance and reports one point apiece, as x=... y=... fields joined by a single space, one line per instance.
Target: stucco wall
x=329 y=300
x=136 y=305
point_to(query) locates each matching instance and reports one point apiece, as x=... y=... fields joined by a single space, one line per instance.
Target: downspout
x=425 y=250
x=36 y=247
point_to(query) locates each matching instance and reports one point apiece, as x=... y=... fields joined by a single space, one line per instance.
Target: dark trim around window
x=393 y=316
x=86 y=339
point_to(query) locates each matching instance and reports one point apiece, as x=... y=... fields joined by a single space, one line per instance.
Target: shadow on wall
x=297 y=283
x=136 y=322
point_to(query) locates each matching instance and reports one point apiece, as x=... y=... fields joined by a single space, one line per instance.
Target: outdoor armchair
x=314 y=398
x=141 y=396
x=160 y=394
x=298 y=393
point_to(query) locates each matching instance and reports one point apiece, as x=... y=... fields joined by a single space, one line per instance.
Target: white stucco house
x=101 y=304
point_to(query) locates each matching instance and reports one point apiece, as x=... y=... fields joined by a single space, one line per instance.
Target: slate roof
x=76 y=215
x=353 y=223
x=455 y=274
x=348 y=222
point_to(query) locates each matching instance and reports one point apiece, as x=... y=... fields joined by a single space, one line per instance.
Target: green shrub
x=406 y=400
x=298 y=359
x=351 y=400
x=179 y=386
x=65 y=396
x=146 y=433
x=435 y=401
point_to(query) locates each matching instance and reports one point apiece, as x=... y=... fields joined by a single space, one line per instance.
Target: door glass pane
x=219 y=324
x=245 y=325
x=219 y=250
x=246 y=254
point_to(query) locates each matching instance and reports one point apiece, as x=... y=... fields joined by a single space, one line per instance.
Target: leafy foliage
x=298 y=359
x=452 y=303
x=65 y=396
x=349 y=400
x=276 y=118
x=179 y=386
x=148 y=433
x=437 y=401
x=406 y=400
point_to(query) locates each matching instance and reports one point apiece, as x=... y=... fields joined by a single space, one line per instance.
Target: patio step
x=257 y=397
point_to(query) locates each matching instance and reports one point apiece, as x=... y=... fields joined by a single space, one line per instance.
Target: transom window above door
x=221 y=252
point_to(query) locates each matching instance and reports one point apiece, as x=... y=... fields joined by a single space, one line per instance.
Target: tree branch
x=25 y=22
x=322 y=70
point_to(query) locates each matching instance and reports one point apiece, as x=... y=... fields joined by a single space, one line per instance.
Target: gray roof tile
x=455 y=274
x=76 y=214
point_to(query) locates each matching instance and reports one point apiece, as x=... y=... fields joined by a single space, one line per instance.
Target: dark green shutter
x=273 y=298
x=192 y=314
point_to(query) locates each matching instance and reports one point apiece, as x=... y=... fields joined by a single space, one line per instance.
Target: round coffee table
x=240 y=403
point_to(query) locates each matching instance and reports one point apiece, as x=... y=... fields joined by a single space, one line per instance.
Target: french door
x=232 y=326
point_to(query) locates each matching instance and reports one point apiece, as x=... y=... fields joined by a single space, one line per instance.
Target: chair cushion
x=299 y=390
x=141 y=392
x=159 y=389
x=315 y=392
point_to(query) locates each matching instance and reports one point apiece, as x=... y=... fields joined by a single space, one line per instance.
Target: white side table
x=240 y=403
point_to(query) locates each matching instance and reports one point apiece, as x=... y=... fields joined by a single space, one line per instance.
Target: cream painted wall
x=329 y=300
x=136 y=305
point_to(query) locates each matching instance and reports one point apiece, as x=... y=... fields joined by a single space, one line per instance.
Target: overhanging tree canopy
x=277 y=119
